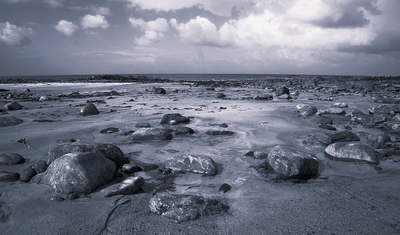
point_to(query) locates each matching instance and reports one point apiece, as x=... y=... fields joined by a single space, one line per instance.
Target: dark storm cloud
x=352 y=16
x=385 y=44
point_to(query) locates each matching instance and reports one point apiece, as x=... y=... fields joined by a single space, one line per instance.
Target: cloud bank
x=66 y=27
x=12 y=35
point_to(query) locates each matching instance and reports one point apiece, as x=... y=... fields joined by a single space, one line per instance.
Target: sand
x=346 y=198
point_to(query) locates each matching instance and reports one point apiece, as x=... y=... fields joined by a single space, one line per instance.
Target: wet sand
x=346 y=198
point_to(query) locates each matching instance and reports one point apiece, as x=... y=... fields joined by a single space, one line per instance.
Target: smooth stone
x=9 y=121
x=43 y=98
x=109 y=130
x=6 y=176
x=183 y=130
x=40 y=166
x=167 y=118
x=218 y=132
x=281 y=90
x=224 y=188
x=12 y=106
x=289 y=163
x=306 y=110
x=182 y=208
x=128 y=186
x=340 y=105
x=343 y=136
x=151 y=134
x=377 y=141
x=200 y=164
x=351 y=151
x=109 y=151
x=142 y=125
x=89 y=109
x=264 y=97
x=325 y=120
x=79 y=173
x=220 y=95
x=159 y=91
x=27 y=174
x=11 y=159
x=336 y=111
x=327 y=127
x=260 y=155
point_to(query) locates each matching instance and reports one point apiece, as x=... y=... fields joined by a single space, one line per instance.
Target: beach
x=235 y=123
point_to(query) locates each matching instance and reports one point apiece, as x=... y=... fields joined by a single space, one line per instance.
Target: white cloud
x=94 y=21
x=54 y=3
x=94 y=9
x=12 y=35
x=66 y=27
x=153 y=30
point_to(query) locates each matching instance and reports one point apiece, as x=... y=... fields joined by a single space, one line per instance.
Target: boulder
x=289 y=163
x=109 y=151
x=340 y=105
x=27 y=174
x=281 y=90
x=264 y=97
x=193 y=163
x=159 y=90
x=7 y=176
x=151 y=134
x=11 y=159
x=182 y=208
x=351 y=151
x=334 y=110
x=183 y=130
x=43 y=98
x=325 y=120
x=89 y=109
x=40 y=166
x=327 y=127
x=128 y=186
x=79 y=173
x=220 y=95
x=260 y=155
x=178 y=118
x=12 y=106
x=306 y=110
x=218 y=132
x=343 y=136
x=377 y=141
x=9 y=121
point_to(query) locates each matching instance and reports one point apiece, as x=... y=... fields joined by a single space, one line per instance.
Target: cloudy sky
x=49 y=37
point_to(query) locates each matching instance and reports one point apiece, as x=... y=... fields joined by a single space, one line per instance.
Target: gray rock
x=6 y=176
x=289 y=163
x=333 y=110
x=12 y=106
x=136 y=165
x=109 y=130
x=128 y=186
x=89 y=109
x=193 y=163
x=27 y=174
x=151 y=134
x=218 y=132
x=182 y=208
x=221 y=95
x=183 y=130
x=281 y=90
x=142 y=125
x=351 y=151
x=159 y=90
x=325 y=120
x=224 y=188
x=178 y=118
x=9 y=121
x=11 y=159
x=264 y=97
x=343 y=136
x=260 y=155
x=340 y=105
x=109 y=151
x=327 y=127
x=40 y=166
x=79 y=173
x=306 y=110
x=377 y=141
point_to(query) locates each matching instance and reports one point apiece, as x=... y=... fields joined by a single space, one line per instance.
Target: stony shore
x=138 y=155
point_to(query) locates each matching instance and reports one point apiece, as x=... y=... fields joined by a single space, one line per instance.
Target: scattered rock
x=306 y=110
x=218 y=132
x=336 y=111
x=260 y=155
x=224 y=188
x=396 y=127
x=221 y=95
x=43 y=98
x=159 y=90
x=27 y=174
x=128 y=186
x=109 y=151
x=9 y=121
x=109 y=130
x=11 y=159
x=340 y=105
x=142 y=125
x=327 y=127
x=378 y=141
x=167 y=118
x=6 y=176
x=40 y=166
x=264 y=97
x=183 y=130
x=290 y=163
x=89 y=109
x=353 y=151
x=281 y=90
x=193 y=163
x=12 y=106
x=182 y=208
x=343 y=136
x=325 y=120
x=151 y=134
x=79 y=173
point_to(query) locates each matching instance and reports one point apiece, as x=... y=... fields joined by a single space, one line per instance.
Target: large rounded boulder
x=175 y=117
x=351 y=152
x=11 y=159
x=79 y=173
x=288 y=163
x=200 y=164
x=151 y=134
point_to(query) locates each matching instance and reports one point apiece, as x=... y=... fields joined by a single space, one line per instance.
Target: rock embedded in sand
x=306 y=110
x=136 y=165
x=79 y=173
x=142 y=125
x=289 y=163
x=218 y=132
x=264 y=97
x=11 y=159
x=182 y=208
x=351 y=151
x=40 y=166
x=340 y=105
x=200 y=164
x=333 y=110
x=109 y=151
x=151 y=134
x=43 y=98
x=178 y=118
x=9 y=121
x=109 y=130
x=327 y=127
x=281 y=90
x=378 y=141
x=89 y=109
x=183 y=130
x=128 y=186
x=159 y=90
x=6 y=176
x=27 y=174
x=12 y=106
x=343 y=136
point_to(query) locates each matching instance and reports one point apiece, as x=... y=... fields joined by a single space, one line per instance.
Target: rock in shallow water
x=11 y=159
x=190 y=163
x=151 y=134
x=79 y=173
x=351 y=151
x=182 y=208
x=289 y=163
x=218 y=132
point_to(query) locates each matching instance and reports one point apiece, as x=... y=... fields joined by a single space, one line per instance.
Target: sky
x=327 y=37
